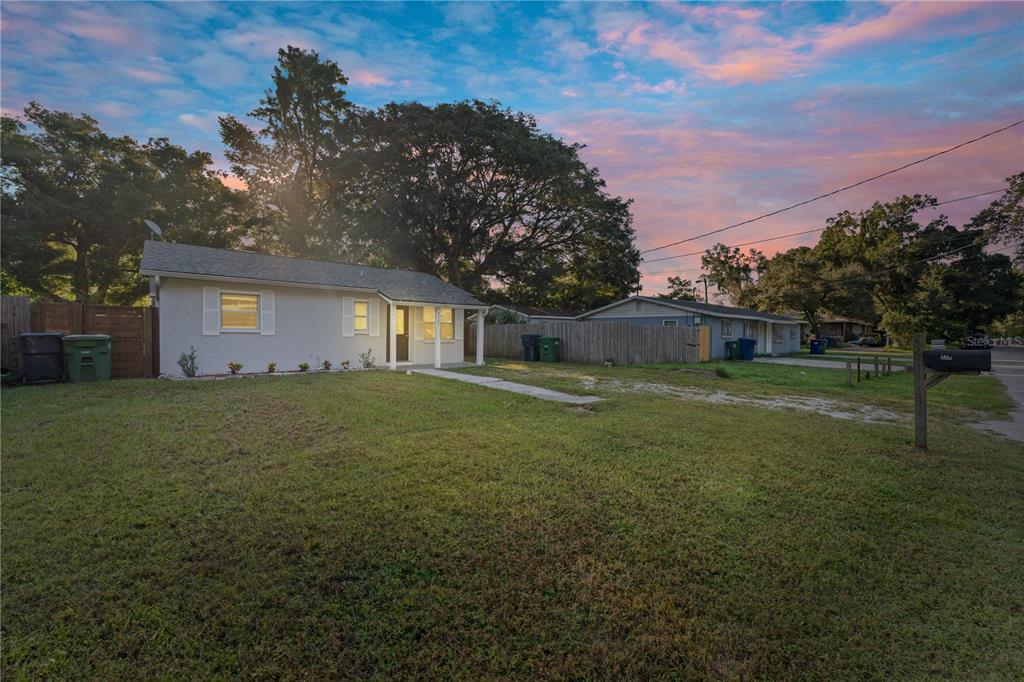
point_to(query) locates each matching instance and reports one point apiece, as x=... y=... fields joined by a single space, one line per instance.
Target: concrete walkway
x=501 y=384
x=1008 y=366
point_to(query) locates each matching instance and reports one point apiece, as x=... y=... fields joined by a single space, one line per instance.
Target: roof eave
x=148 y=272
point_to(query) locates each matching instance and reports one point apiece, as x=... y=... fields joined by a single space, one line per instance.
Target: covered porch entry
x=423 y=334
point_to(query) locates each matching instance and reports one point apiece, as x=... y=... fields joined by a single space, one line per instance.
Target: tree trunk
x=81 y=273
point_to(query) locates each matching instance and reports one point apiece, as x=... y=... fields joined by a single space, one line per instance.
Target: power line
x=841 y=189
x=818 y=229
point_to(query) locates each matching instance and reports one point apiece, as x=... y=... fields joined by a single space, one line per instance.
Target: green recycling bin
x=88 y=357
x=732 y=350
x=549 y=348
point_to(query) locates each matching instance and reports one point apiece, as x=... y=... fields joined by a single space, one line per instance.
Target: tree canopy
x=680 y=289
x=291 y=166
x=74 y=201
x=479 y=196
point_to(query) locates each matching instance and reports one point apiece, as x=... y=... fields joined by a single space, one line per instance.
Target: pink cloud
x=368 y=79
x=233 y=182
x=741 y=49
x=148 y=75
x=687 y=176
x=668 y=86
x=901 y=20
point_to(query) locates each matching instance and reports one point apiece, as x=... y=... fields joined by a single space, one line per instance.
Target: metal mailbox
x=958 y=360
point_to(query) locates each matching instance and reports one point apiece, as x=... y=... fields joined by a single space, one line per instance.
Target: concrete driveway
x=1008 y=366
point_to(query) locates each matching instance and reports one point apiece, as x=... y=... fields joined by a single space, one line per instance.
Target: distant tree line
x=887 y=265
x=470 y=191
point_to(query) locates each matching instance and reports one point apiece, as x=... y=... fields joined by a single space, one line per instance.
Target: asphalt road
x=1008 y=366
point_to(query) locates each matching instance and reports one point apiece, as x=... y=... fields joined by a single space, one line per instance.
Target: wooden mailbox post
x=943 y=363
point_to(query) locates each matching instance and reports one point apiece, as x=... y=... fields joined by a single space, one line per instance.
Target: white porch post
x=437 y=337
x=768 y=339
x=480 y=337
x=392 y=336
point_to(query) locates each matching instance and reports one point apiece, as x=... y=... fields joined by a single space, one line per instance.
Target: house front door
x=401 y=334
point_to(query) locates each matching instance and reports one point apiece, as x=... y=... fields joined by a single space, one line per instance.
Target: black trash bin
x=42 y=357
x=531 y=347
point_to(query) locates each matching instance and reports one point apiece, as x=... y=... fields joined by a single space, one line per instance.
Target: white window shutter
x=211 y=311
x=374 y=314
x=417 y=326
x=348 y=316
x=267 y=323
x=460 y=316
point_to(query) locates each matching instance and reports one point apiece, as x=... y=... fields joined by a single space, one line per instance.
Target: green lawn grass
x=385 y=525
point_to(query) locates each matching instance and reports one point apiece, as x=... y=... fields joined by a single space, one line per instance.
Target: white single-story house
x=532 y=314
x=775 y=334
x=254 y=309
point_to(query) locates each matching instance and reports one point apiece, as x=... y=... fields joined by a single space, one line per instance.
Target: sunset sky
x=704 y=114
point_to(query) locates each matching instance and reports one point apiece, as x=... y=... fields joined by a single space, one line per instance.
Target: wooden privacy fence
x=595 y=342
x=133 y=330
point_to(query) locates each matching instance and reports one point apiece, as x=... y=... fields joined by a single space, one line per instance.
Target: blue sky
x=704 y=114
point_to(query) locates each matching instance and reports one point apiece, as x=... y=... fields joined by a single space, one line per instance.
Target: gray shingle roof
x=398 y=285
x=710 y=309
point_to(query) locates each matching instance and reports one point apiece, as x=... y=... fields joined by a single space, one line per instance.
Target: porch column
x=437 y=337
x=480 y=337
x=392 y=336
x=768 y=338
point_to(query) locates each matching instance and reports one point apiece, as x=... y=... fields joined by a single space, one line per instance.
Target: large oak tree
x=478 y=195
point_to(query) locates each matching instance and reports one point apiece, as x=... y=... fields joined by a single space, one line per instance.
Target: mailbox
x=958 y=360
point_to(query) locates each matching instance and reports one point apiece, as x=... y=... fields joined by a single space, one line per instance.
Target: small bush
x=344 y=364
x=722 y=373
x=326 y=364
x=303 y=366
x=367 y=359
x=235 y=367
x=187 y=362
x=271 y=367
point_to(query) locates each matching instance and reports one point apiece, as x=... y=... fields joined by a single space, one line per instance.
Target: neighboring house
x=529 y=314
x=775 y=334
x=253 y=308
x=844 y=328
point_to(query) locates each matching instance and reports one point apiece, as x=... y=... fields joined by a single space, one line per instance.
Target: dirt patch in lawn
x=832 y=408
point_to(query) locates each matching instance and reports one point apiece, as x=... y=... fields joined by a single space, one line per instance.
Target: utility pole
x=705 y=280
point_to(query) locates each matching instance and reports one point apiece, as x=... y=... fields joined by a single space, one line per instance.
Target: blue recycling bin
x=818 y=346
x=747 y=348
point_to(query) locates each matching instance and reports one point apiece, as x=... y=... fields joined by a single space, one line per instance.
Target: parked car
x=872 y=340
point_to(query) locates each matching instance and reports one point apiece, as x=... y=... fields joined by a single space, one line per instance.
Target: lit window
x=697 y=319
x=669 y=323
x=726 y=329
x=447 y=324
x=400 y=322
x=240 y=312
x=361 y=321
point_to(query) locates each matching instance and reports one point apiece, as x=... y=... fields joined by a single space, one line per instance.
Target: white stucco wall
x=308 y=328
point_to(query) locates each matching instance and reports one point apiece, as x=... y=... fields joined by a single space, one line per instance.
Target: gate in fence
x=133 y=330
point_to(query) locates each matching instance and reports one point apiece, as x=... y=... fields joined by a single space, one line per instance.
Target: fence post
x=858 y=369
x=849 y=373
